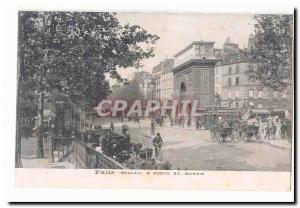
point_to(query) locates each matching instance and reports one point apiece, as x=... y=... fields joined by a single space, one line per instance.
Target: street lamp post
x=151 y=85
x=51 y=138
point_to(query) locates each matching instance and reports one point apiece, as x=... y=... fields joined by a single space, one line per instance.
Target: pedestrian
x=267 y=135
x=157 y=143
x=112 y=127
x=283 y=130
x=197 y=124
x=89 y=138
x=152 y=127
x=273 y=130
x=189 y=123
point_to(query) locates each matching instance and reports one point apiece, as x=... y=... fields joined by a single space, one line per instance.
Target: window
x=229 y=82
x=251 y=104
x=236 y=104
x=207 y=50
x=260 y=94
x=259 y=105
x=237 y=69
x=250 y=68
x=229 y=70
x=237 y=94
x=284 y=95
x=275 y=94
x=237 y=81
x=251 y=93
x=229 y=95
x=197 y=48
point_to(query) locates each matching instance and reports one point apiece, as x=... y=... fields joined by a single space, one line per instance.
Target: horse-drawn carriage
x=116 y=146
x=209 y=119
x=221 y=133
x=249 y=131
x=229 y=126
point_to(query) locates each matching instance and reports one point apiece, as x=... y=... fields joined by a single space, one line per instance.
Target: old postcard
x=155 y=100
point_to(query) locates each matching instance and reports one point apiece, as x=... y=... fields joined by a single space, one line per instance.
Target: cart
x=248 y=131
x=221 y=133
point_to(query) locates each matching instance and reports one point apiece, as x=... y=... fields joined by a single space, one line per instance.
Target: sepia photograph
x=155 y=91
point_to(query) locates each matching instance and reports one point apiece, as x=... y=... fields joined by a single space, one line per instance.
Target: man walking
x=273 y=131
x=112 y=127
x=157 y=143
x=152 y=127
x=267 y=135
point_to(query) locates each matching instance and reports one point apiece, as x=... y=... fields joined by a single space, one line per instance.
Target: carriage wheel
x=219 y=138
x=244 y=137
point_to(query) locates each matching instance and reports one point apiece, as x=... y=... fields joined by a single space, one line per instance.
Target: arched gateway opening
x=182 y=90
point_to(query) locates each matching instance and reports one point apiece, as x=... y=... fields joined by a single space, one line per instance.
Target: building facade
x=240 y=92
x=156 y=79
x=218 y=79
x=142 y=79
x=194 y=73
x=167 y=79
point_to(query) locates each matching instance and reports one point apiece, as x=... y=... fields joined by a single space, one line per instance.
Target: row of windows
x=237 y=82
x=238 y=105
x=234 y=94
x=167 y=84
x=237 y=70
x=260 y=94
x=206 y=50
x=167 y=94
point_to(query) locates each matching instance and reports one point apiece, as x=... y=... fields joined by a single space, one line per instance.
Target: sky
x=177 y=30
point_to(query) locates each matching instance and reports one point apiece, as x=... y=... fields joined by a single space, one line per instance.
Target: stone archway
x=182 y=90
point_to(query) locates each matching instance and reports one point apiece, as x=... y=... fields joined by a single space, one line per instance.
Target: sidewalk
x=43 y=163
x=29 y=159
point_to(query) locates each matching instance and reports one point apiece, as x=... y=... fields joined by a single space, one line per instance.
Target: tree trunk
x=18 y=161
x=40 y=135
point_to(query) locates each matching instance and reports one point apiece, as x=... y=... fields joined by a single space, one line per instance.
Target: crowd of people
x=273 y=127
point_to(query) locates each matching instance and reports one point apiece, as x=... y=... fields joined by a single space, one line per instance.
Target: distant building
x=194 y=73
x=156 y=78
x=167 y=79
x=142 y=78
x=218 y=79
x=147 y=87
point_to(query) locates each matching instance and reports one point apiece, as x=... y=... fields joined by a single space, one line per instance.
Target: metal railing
x=62 y=147
x=87 y=157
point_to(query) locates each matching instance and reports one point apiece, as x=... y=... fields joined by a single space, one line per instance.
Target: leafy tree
x=271 y=50
x=66 y=55
x=130 y=91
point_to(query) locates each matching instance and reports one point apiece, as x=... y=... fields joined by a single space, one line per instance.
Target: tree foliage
x=271 y=50
x=66 y=56
x=130 y=91
x=73 y=52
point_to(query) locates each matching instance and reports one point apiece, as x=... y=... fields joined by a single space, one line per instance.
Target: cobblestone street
x=191 y=149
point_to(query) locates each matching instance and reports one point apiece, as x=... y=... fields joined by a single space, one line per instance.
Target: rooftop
x=191 y=44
